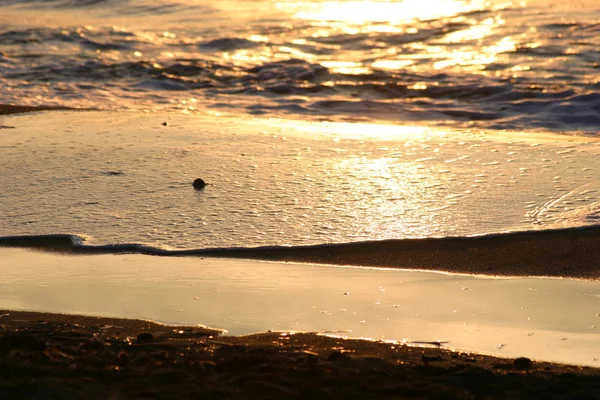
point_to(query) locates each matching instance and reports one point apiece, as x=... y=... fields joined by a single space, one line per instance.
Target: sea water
x=499 y=64
x=114 y=178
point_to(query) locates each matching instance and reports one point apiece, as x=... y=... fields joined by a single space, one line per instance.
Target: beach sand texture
x=58 y=356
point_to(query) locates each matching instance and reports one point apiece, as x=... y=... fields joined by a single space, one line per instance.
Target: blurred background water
x=497 y=64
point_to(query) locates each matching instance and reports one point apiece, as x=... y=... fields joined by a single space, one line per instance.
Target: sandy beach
x=346 y=199
x=74 y=357
x=84 y=355
x=545 y=319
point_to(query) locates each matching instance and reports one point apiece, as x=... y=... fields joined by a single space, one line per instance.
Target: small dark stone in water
x=199 y=184
x=522 y=363
x=145 y=337
x=164 y=124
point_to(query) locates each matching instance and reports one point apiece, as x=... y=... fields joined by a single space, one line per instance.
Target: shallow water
x=548 y=319
x=498 y=64
x=126 y=178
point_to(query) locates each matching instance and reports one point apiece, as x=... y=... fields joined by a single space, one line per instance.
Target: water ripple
x=492 y=66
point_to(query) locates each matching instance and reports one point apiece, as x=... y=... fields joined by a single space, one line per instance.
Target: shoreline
x=546 y=319
x=87 y=357
x=11 y=109
x=562 y=253
x=571 y=253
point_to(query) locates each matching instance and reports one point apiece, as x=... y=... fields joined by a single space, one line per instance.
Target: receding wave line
x=570 y=252
x=16 y=109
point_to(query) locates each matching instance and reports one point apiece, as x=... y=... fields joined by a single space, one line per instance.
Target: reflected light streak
x=360 y=131
x=383 y=11
x=346 y=67
x=354 y=17
x=403 y=188
x=392 y=64
x=470 y=54
x=474 y=32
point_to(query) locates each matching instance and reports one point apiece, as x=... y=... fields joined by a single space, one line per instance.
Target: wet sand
x=568 y=253
x=60 y=356
x=265 y=190
x=6 y=109
x=572 y=253
x=544 y=319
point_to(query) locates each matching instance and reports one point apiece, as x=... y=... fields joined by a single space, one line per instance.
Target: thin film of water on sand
x=549 y=319
x=124 y=178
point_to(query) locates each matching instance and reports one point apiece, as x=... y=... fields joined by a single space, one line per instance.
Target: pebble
x=523 y=363
x=145 y=337
x=199 y=184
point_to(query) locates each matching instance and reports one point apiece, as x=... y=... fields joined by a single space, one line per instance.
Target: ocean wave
x=568 y=252
x=57 y=3
x=114 y=7
x=226 y=44
x=380 y=95
x=477 y=68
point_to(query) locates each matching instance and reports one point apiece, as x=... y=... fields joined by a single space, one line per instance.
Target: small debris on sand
x=145 y=337
x=522 y=363
x=199 y=184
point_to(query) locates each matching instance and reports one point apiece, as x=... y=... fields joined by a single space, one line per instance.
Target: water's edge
x=568 y=252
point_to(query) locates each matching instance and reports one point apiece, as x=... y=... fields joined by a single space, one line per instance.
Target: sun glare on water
x=469 y=44
x=383 y=11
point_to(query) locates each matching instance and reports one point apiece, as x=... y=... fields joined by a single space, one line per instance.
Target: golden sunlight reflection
x=382 y=11
x=465 y=50
x=346 y=67
x=361 y=131
x=472 y=55
x=403 y=188
x=472 y=45
x=392 y=64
